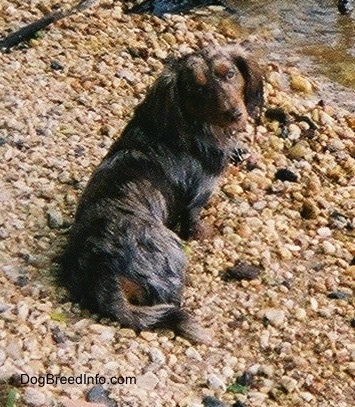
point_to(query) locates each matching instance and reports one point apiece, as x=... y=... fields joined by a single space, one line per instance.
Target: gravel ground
x=283 y=339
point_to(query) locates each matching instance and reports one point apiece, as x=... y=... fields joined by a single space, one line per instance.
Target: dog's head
x=219 y=86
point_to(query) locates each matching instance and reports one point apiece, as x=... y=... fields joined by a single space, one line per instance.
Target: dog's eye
x=230 y=74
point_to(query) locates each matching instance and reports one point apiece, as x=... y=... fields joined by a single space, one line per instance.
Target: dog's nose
x=234 y=114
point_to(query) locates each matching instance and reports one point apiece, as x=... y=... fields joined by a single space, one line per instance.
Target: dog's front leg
x=189 y=223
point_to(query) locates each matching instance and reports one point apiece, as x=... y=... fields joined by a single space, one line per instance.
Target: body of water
x=311 y=35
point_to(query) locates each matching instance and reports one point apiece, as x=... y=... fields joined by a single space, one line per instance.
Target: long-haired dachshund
x=124 y=257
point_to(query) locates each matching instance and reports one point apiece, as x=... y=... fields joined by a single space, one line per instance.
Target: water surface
x=311 y=35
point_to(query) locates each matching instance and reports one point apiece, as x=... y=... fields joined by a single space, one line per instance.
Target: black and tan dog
x=124 y=257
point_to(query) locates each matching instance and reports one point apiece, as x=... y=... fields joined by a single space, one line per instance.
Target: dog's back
x=124 y=258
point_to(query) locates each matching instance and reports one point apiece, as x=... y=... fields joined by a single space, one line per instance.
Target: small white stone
x=157 y=356
x=215 y=383
x=324 y=232
x=314 y=304
x=108 y=334
x=308 y=397
x=34 y=397
x=194 y=403
x=328 y=247
x=264 y=339
x=276 y=317
x=147 y=381
x=300 y=314
x=227 y=372
x=23 y=310
x=193 y=354
x=2 y=357
x=294 y=132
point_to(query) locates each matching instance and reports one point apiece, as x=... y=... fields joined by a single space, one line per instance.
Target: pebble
x=55 y=219
x=294 y=132
x=285 y=174
x=23 y=310
x=209 y=401
x=192 y=353
x=324 y=232
x=214 y=382
x=301 y=84
x=328 y=247
x=2 y=357
x=241 y=271
x=306 y=396
x=299 y=151
x=147 y=381
x=276 y=317
x=34 y=397
x=157 y=356
x=288 y=383
x=80 y=403
x=338 y=295
x=98 y=394
x=300 y=314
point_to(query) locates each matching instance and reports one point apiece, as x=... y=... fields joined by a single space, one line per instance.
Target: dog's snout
x=233 y=114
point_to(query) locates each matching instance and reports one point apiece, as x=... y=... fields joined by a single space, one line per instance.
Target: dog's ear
x=254 y=92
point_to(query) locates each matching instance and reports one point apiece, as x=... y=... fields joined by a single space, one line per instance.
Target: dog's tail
x=168 y=316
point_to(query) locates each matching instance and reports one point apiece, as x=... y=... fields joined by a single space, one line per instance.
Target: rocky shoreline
x=64 y=98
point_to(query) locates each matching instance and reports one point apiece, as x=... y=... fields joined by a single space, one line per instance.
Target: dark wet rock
x=338 y=295
x=241 y=271
x=277 y=114
x=245 y=379
x=283 y=174
x=57 y=66
x=55 y=219
x=340 y=221
x=98 y=394
x=345 y=6
x=209 y=401
x=57 y=335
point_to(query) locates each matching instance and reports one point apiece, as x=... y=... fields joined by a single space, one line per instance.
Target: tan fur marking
x=221 y=67
x=199 y=69
x=131 y=290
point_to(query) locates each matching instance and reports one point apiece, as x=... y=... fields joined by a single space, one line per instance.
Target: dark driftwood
x=160 y=7
x=27 y=32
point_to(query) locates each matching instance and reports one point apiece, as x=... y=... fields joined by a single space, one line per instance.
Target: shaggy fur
x=124 y=257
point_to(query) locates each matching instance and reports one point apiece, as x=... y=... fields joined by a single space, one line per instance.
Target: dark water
x=311 y=35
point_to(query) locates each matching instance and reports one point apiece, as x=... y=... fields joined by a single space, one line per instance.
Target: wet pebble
x=241 y=271
x=285 y=174
x=209 y=401
x=98 y=394
x=338 y=295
